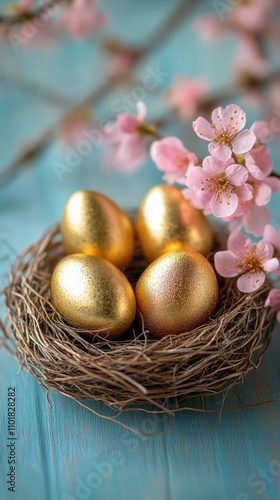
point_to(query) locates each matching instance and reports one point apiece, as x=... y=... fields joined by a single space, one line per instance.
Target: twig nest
x=134 y=368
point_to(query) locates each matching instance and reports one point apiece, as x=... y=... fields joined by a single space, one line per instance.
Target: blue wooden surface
x=68 y=452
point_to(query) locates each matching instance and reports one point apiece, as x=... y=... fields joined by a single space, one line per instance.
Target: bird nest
x=134 y=369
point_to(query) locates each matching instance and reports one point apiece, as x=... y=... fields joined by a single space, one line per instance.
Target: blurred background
x=68 y=68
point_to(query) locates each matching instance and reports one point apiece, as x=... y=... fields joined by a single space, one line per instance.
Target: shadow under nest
x=133 y=369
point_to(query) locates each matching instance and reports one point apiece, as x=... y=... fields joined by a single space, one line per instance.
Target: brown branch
x=161 y=34
x=23 y=17
x=32 y=151
x=32 y=89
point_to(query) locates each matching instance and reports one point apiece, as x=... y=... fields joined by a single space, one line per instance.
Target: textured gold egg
x=94 y=225
x=176 y=293
x=92 y=294
x=166 y=221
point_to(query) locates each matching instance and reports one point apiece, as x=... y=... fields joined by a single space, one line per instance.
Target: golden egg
x=166 y=221
x=92 y=294
x=176 y=293
x=94 y=225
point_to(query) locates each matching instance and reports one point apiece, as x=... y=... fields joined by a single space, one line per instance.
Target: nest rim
x=132 y=369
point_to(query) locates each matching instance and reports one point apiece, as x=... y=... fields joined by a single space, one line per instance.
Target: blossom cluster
x=234 y=182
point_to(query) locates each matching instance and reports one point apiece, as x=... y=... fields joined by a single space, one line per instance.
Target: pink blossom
x=209 y=27
x=171 y=156
x=253 y=214
x=255 y=218
x=273 y=301
x=218 y=187
x=121 y=62
x=262 y=188
x=4 y=31
x=273 y=236
x=25 y=5
x=81 y=19
x=74 y=128
x=251 y=15
x=225 y=132
x=20 y=7
x=250 y=261
x=185 y=95
x=249 y=59
x=259 y=154
x=274 y=97
x=126 y=136
x=274 y=107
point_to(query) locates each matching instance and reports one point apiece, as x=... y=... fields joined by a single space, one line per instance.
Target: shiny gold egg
x=176 y=293
x=92 y=294
x=94 y=225
x=166 y=221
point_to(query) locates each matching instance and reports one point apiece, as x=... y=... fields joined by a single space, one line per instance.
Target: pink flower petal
x=260 y=156
x=224 y=264
x=236 y=242
x=273 y=301
x=127 y=123
x=111 y=133
x=212 y=166
x=141 y=111
x=261 y=130
x=224 y=206
x=243 y=142
x=245 y=193
x=270 y=234
x=254 y=170
x=220 y=151
x=204 y=198
x=185 y=94
x=169 y=154
x=234 y=119
x=191 y=195
x=203 y=129
x=273 y=298
x=81 y=19
x=256 y=219
x=194 y=177
x=262 y=194
x=209 y=27
x=131 y=151
x=273 y=183
x=174 y=178
x=271 y=265
x=237 y=174
x=217 y=117
x=264 y=249
x=250 y=282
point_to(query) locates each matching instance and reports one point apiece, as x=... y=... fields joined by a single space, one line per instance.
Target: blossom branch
x=23 y=17
x=168 y=26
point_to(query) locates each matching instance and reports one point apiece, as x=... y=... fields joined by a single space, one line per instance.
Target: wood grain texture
x=66 y=452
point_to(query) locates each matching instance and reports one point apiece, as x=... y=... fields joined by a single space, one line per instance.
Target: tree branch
x=161 y=34
x=23 y=17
